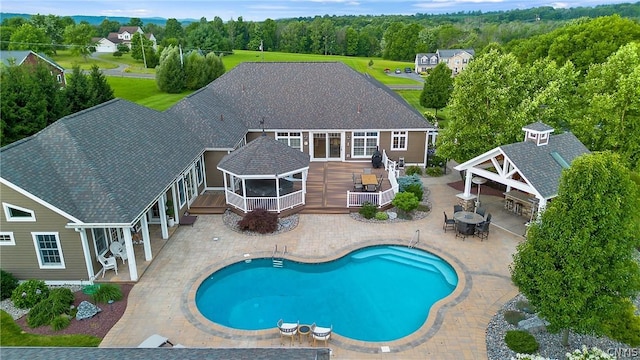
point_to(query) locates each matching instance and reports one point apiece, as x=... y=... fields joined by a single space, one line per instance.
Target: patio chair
x=481 y=211
x=118 y=251
x=457 y=208
x=154 y=341
x=371 y=187
x=380 y=180
x=321 y=333
x=109 y=263
x=448 y=223
x=482 y=230
x=367 y=171
x=357 y=182
x=461 y=230
x=288 y=329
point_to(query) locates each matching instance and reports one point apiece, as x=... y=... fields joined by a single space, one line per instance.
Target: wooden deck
x=327 y=186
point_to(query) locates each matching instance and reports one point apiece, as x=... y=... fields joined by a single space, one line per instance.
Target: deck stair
x=412 y=257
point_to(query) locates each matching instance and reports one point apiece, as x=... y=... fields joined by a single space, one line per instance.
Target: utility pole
x=144 y=58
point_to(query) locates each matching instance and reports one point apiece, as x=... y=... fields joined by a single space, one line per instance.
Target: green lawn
x=68 y=61
x=413 y=98
x=12 y=335
x=143 y=92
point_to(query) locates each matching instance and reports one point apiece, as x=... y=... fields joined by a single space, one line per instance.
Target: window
x=181 y=195
x=364 y=143
x=48 y=250
x=399 y=140
x=199 y=173
x=17 y=213
x=100 y=241
x=6 y=238
x=293 y=139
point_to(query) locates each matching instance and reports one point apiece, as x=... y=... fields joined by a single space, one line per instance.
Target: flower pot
x=170 y=222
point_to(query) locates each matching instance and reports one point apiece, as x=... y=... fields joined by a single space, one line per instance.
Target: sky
x=259 y=10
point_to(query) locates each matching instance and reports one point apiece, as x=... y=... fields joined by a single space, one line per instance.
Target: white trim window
x=182 y=198
x=364 y=143
x=100 y=241
x=17 y=213
x=293 y=139
x=48 y=250
x=6 y=238
x=399 y=140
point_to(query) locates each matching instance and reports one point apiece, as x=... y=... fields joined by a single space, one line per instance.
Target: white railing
x=268 y=203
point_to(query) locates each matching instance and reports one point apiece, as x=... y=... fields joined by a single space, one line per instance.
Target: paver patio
x=162 y=301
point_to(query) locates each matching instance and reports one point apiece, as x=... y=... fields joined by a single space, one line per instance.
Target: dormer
x=538 y=133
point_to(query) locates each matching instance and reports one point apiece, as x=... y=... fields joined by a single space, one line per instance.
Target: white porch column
x=244 y=195
x=131 y=256
x=146 y=239
x=87 y=253
x=176 y=204
x=305 y=174
x=277 y=193
x=467 y=183
x=163 y=216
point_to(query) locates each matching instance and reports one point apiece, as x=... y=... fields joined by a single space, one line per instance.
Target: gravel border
x=285 y=224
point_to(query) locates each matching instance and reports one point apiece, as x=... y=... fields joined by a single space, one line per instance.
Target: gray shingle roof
x=264 y=156
x=448 y=53
x=202 y=112
x=301 y=96
x=538 y=166
x=103 y=164
x=538 y=126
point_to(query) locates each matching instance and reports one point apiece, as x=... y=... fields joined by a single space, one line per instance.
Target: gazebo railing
x=247 y=204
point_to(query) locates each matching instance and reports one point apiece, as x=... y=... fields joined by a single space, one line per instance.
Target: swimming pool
x=378 y=293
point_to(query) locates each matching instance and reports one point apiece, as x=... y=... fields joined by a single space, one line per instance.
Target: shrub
x=8 y=283
x=423 y=208
x=405 y=201
x=523 y=305
x=405 y=181
x=381 y=215
x=521 y=341
x=513 y=317
x=434 y=171
x=436 y=161
x=117 y=54
x=413 y=170
x=58 y=303
x=260 y=221
x=589 y=354
x=624 y=328
x=107 y=292
x=368 y=210
x=29 y=293
x=416 y=189
x=60 y=322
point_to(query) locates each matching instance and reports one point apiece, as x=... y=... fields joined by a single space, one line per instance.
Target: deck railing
x=380 y=198
x=247 y=204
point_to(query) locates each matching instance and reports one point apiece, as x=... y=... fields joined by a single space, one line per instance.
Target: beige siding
x=213 y=175
x=415 y=147
x=21 y=259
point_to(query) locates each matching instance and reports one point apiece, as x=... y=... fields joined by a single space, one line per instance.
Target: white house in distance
x=123 y=36
x=456 y=59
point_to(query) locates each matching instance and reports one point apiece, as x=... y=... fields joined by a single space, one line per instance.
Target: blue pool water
x=379 y=293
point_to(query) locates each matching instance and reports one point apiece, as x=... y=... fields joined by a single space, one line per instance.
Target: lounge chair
x=288 y=329
x=321 y=333
x=448 y=223
x=118 y=251
x=109 y=263
x=154 y=341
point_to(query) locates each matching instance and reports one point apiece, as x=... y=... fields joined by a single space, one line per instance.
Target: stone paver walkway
x=163 y=300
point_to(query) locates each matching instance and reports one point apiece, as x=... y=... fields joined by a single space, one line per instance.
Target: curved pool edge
x=423 y=334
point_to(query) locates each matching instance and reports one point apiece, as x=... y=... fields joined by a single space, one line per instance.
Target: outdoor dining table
x=369 y=179
x=470 y=218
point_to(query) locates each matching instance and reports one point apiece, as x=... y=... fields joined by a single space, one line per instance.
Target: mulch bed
x=97 y=326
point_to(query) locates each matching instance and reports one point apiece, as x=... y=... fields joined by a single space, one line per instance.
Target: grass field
x=143 y=92
x=68 y=61
x=12 y=335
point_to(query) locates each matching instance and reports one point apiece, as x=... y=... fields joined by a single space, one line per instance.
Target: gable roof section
x=216 y=125
x=537 y=165
x=264 y=156
x=101 y=164
x=449 y=53
x=310 y=96
x=21 y=55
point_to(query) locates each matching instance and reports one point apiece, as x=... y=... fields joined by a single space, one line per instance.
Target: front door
x=327 y=146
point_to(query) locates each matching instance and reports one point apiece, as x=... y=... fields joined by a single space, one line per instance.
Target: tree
x=28 y=37
x=78 y=91
x=53 y=26
x=195 y=71
x=107 y=26
x=140 y=42
x=577 y=266
x=170 y=76
x=135 y=22
x=100 y=89
x=173 y=30
x=79 y=38
x=437 y=88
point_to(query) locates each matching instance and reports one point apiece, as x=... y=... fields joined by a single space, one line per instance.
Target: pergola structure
x=530 y=169
x=266 y=174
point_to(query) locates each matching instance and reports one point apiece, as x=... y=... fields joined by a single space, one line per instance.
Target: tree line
x=394 y=37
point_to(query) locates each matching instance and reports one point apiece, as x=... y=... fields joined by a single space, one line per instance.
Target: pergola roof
x=264 y=156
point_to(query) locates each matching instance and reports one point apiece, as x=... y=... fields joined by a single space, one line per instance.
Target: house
x=28 y=57
x=530 y=169
x=456 y=59
x=123 y=36
x=98 y=175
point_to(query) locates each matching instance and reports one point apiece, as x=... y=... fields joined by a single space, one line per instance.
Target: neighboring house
x=123 y=36
x=530 y=169
x=456 y=59
x=91 y=177
x=27 y=57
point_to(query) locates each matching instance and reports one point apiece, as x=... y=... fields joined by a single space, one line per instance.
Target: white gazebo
x=530 y=169
x=266 y=174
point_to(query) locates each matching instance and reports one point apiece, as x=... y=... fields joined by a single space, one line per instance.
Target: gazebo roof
x=264 y=156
